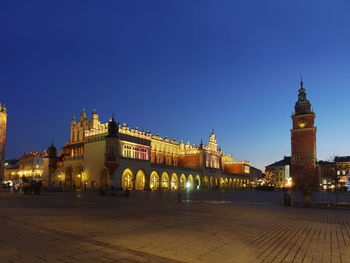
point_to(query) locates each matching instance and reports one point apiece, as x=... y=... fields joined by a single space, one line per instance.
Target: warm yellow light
x=289 y=182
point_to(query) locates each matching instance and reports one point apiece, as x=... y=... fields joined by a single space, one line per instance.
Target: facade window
x=135 y=152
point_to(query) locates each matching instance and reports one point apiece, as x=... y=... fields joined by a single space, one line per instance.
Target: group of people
x=29 y=187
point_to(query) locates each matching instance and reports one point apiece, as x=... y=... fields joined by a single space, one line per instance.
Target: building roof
x=342 y=158
x=285 y=161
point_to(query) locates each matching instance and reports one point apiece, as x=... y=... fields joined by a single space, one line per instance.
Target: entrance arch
x=77 y=177
x=205 y=182
x=154 y=181
x=212 y=182
x=197 y=182
x=128 y=179
x=104 y=178
x=140 y=180
x=222 y=183
x=230 y=183
x=190 y=182
x=68 y=174
x=165 y=181
x=182 y=181
x=174 y=182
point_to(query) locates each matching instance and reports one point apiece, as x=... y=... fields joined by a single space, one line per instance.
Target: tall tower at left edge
x=303 y=144
x=3 y=122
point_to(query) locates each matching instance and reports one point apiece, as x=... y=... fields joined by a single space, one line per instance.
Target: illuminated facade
x=280 y=173
x=33 y=166
x=303 y=144
x=331 y=172
x=112 y=155
x=3 y=123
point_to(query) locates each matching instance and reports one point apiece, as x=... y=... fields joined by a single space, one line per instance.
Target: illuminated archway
x=68 y=174
x=226 y=183
x=154 y=181
x=205 y=182
x=174 y=182
x=197 y=182
x=104 y=178
x=212 y=182
x=165 y=181
x=189 y=184
x=230 y=183
x=182 y=181
x=222 y=183
x=77 y=177
x=128 y=179
x=140 y=180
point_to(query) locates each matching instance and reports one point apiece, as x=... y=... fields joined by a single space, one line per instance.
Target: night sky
x=177 y=67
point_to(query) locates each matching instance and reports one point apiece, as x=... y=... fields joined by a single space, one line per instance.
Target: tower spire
x=301 y=81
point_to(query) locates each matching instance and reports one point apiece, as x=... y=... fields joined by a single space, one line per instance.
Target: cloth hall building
x=112 y=155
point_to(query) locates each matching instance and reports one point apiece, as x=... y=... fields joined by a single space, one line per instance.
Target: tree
x=268 y=177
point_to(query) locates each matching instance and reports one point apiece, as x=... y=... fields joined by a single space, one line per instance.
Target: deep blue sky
x=177 y=67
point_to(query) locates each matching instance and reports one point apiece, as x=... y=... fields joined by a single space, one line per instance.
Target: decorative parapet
x=102 y=129
x=135 y=132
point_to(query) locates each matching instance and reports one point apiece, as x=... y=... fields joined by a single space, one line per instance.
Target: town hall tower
x=303 y=143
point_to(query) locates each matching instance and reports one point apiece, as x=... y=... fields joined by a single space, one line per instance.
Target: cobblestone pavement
x=240 y=226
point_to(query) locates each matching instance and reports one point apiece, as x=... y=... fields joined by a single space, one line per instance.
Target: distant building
x=3 y=123
x=113 y=155
x=33 y=166
x=303 y=144
x=11 y=170
x=324 y=172
x=280 y=172
x=255 y=175
x=329 y=171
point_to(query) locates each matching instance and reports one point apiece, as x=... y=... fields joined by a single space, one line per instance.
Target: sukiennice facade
x=110 y=155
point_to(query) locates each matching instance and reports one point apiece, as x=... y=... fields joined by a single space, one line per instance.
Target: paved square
x=213 y=226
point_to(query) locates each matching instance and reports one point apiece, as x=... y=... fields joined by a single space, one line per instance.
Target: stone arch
x=154 y=181
x=174 y=182
x=182 y=181
x=68 y=176
x=103 y=179
x=190 y=184
x=197 y=182
x=140 y=180
x=222 y=183
x=230 y=183
x=226 y=183
x=165 y=181
x=77 y=180
x=128 y=179
x=205 y=184
x=212 y=182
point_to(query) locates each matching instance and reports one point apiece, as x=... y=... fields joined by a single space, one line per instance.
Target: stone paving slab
x=154 y=227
